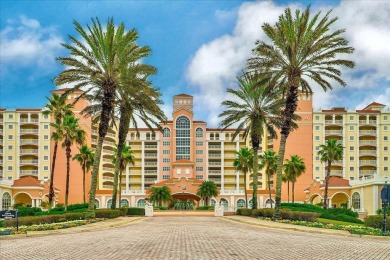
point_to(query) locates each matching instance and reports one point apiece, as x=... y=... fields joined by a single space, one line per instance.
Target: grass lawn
x=336 y=222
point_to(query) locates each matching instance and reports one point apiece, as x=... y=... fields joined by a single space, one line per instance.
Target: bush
x=302 y=207
x=136 y=211
x=46 y=219
x=205 y=208
x=376 y=222
x=78 y=206
x=107 y=213
x=244 y=212
x=23 y=211
x=286 y=214
x=160 y=208
x=340 y=217
x=343 y=211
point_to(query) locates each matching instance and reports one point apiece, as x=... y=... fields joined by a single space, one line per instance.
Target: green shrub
x=343 y=211
x=268 y=213
x=205 y=208
x=107 y=213
x=286 y=214
x=23 y=211
x=340 y=217
x=257 y=212
x=302 y=207
x=380 y=211
x=136 y=211
x=57 y=209
x=78 y=206
x=244 y=212
x=376 y=222
x=45 y=219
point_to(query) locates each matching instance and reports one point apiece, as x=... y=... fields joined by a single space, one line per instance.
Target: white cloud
x=216 y=64
x=24 y=42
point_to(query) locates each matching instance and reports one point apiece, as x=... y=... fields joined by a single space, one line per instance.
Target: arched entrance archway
x=23 y=199
x=340 y=200
x=315 y=199
x=186 y=197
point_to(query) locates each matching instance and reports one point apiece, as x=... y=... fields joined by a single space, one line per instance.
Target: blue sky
x=199 y=47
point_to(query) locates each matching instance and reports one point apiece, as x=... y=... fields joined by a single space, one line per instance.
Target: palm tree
x=127 y=157
x=160 y=194
x=85 y=158
x=287 y=178
x=293 y=169
x=72 y=133
x=95 y=64
x=58 y=108
x=255 y=110
x=330 y=152
x=269 y=161
x=302 y=47
x=207 y=190
x=244 y=163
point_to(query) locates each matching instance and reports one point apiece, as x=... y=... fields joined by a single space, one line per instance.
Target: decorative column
x=361 y=199
x=237 y=173
x=127 y=179
x=344 y=137
x=378 y=136
x=143 y=166
x=222 y=167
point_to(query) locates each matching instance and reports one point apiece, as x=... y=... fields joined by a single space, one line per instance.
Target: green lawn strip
x=336 y=222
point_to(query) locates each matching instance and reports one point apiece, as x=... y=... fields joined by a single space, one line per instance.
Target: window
x=10 y=147
x=45 y=127
x=166 y=177
x=166 y=160
x=385 y=148
x=385 y=158
x=46 y=158
x=109 y=202
x=317 y=137
x=385 y=128
x=10 y=168
x=10 y=137
x=166 y=169
x=45 y=168
x=10 y=116
x=317 y=127
x=317 y=148
x=317 y=118
x=199 y=160
x=166 y=132
x=199 y=143
x=45 y=178
x=317 y=158
x=166 y=151
x=356 y=200
x=141 y=203
x=45 y=116
x=166 y=143
x=199 y=169
x=351 y=128
x=352 y=148
x=124 y=203
x=351 y=138
x=351 y=118
x=97 y=203
x=183 y=138
x=46 y=137
x=351 y=178
x=213 y=202
x=386 y=168
x=10 y=127
x=241 y=203
x=10 y=158
x=317 y=168
x=46 y=147
x=6 y=201
x=352 y=169
x=10 y=178
x=384 y=118
x=351 y=158
x=199 y=151
x=199 y=177
x=199 y=132
x=385 y=138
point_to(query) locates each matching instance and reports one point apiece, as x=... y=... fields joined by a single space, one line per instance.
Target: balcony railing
x=29 y=131
x=108 y=151
x=335 y=122
x=336 y=172
x=150 y=171
x=333 y=132
x=135 y=172
x=215 y=163
x=214 y=172
x=215 y=180
x=32 y=120
x=211 y=146
x=29 y=141
x=337 y=162
x=108 y=169
x=28 y=172
x=150 y=180
x=107 y=160
x=108 y=178
x=110 y=187
x=25 y=161
x=135 y=180
x=230 y=180
x=230 y=156
x=367 y=172
x=367 y=162
x=230 y=147
x=95 y=132
x=136 y=147
x=367 y=142
x=215 y=155
x=229 y=173
x=150 y=146
x=108 y=142
x=150 y=155
x=367 y=152
x=369 y=122
x=367 y=132
x=1 y=150
x=28 y=151
x=151 y=163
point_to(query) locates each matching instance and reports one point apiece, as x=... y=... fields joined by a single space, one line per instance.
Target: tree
x=269 y=162
x=127 y=157
x=287 y=178
x=207 y=190
x=293 y=169
x=58 y=108
x=95 y=63
x=302 y=47
x=85 y=158
x=244 y=163
x=160 y=194
x=254 y=109
x=330 y=152
x=72 y=133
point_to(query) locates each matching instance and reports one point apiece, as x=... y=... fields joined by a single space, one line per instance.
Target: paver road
x=193 y=238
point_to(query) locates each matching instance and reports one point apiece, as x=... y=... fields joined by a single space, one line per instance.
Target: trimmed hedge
x=136 y=211
x=107 y=213
x=342 y=211
x=23 y=211
x=160 y=208
x=72 y=207
x=376 y=222
x=205 y=208
x=46 y=219
x=302 y=207
x=286 y=214
x=340 y=217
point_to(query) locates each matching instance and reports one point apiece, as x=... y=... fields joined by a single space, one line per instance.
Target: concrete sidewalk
x=277 y=225
x=101 y=225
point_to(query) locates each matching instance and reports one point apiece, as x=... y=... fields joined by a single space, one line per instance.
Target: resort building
x=187 y=152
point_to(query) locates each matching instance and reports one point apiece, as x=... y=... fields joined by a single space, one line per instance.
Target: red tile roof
x=335 y=181
x=182 y=95
x=29 y=181
x=376 y=104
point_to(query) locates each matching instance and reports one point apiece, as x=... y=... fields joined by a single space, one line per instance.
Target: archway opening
x=22 y=200
x=340 y=200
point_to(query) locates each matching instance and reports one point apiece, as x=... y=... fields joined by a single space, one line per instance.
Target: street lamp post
x=384 y=225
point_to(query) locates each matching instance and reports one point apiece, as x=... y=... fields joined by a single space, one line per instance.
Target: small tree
x=329 y=153
x=293 y=169
x=207 y=190
x=85 y=158
x=244 y=164
x=160 y=194
x=269 y=160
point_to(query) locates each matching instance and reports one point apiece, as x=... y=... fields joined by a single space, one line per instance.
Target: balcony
x=367 y=142
x=335 y=122
x=151 y=163
x=1 y=150
x=150 y=146
x=367 y=122
x=367 y=162
x=333 y=132
x=150 y=172
x=108 y=169
x=230 y=180
x=229 y=173
x=367 y=172
x=214 y=147
x=336 y=173
x=367 y=152
x=216 y=180
x=337 y=163
x=107 y=160
x=150 y=180
x=214 y=163
x=136 y=147
x=28 y=172
x=215 y=155
x=150 y=155
x=31 y=161
x=230 y=156
x=28 y=151
x=29 y=141
x=110 y=187
x=367 y=132
x=32 y=120
x=230 y=147
x=136 y=172
x=214 y=171
x=108 y=151
x=29 y=131
x=108 y=142
x=135 y=180
x=95 y=132
x=108 y=178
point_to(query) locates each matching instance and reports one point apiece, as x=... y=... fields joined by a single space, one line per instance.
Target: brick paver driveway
x=193 y=238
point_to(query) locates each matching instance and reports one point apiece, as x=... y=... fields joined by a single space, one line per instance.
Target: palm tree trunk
x=246 y=193
x=255 y=145
x=326 y=185
x=207 y=201
x=107 y=107
x=68 y=156
x=53 y=164
x=269 y=189
x=288 y=113
x=288 y=191
x=120 y=189
x=293 y=191
x=123 y=130
x=84 y=181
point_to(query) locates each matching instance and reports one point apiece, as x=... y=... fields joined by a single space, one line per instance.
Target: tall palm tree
x=58 y=108
x=85 y=158
x=294 y=168
x=159 y=195
x=244 y=164
x=269 y=161
x=254 y=109
x=330 y=152
x=72 y=133
x=207 y=190
x=127 y=157
x=301 y=47
x=95 y=64
x=287 y=178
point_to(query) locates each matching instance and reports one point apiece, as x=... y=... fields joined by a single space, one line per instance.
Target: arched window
x=97 y=203
x=109 y=203
x=268 y=203
x=153 y=136
x=6 y=200
x=250 y=204
x=182 y=138
x=132 y=136
x=356 y=200
x=241 y=203
x=124 y=203
x=212 y=202
x=216 y=136
x=225 y=203
x=147 y=136
x=199 y=132
x=166 y=132
x=141 y=203
x=211 y=136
